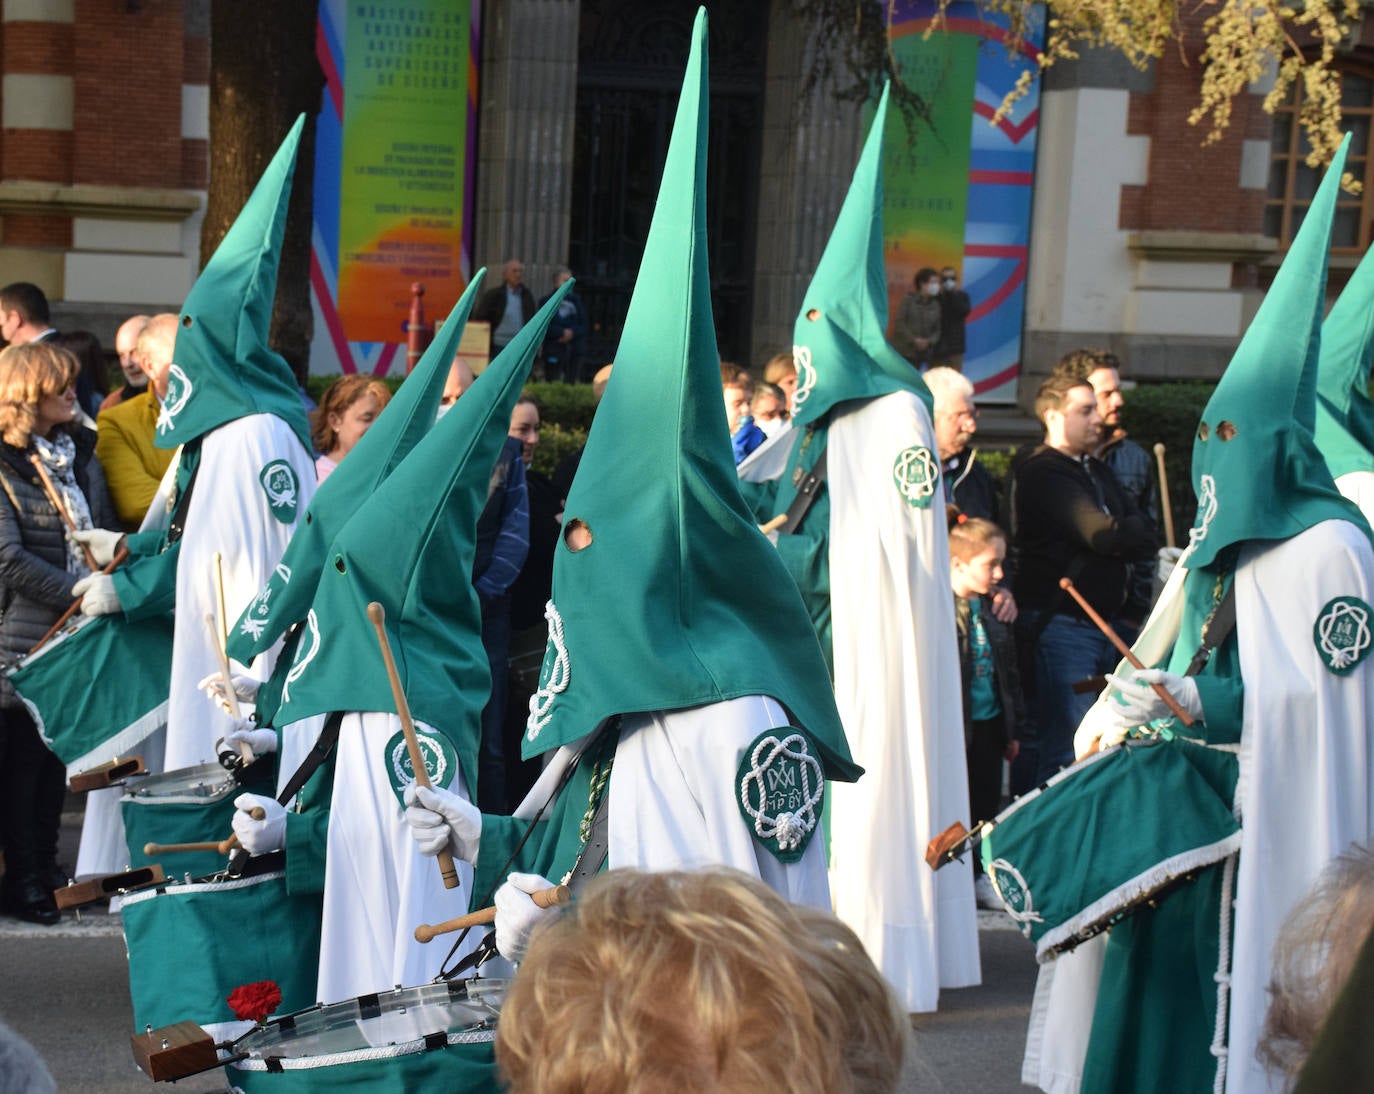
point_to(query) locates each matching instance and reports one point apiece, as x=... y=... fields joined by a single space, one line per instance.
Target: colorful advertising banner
x=960 y=195
x=395 y=150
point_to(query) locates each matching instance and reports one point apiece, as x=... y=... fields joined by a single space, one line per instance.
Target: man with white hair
x=968 y=484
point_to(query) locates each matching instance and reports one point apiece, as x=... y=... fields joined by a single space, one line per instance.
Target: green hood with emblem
x=840 y=345
x=679 y=600
x=408 y=417
x=223 y=369
x=1256 y=469
x=410 y=547
x=1345 y=413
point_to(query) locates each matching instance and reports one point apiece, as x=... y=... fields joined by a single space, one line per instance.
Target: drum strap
x=1218 y=625
x=808 y=484
x=319 y=752
x=176 y=524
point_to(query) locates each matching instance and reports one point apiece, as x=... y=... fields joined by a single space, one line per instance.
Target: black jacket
x=1004 y=663
x=35 y=586
x=1069 y=514
x=491 y=306
x=970 y=486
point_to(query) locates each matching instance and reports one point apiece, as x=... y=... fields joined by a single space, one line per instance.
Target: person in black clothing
x=1070 y=517
x=38 y=568
x=565 y=344
x=954 y=309
x=507 y=307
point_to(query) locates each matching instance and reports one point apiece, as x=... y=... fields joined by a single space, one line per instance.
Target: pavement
x=66 y=990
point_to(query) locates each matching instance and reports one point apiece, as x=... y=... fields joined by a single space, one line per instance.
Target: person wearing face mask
x=954 y=309
x=917 y=328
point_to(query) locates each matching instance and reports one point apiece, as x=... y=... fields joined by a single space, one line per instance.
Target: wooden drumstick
x=218 y=561
x=1125 y=650
x=544 y=898
x=1164 y=506
x=51 y=491
x=245 y=749
x=377 y=614
x=75 y=605
x=774 y=524
x=223 y=846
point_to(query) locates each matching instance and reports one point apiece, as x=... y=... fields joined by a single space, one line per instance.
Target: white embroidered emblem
x=310 y=646
x=553 y=678
x=178 y=392
x=1206 y=510
x=916 y=475
x=1343 y=634
x=255 y=618
x=1015 y=894
x=806 y=375
x=788 y=779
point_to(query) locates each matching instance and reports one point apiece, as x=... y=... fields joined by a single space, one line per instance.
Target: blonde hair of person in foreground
x=703 y=980
x=1314 y=953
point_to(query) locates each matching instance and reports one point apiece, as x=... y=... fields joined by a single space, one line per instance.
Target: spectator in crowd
x=768 y=408
x=38 y=569
x=917 y=329
x=125 y=432
x=24 y=314
x=507 y=307
x=781 y=371
x=737 y=387
x=967 y=482
x=1070 y=518
x=92 y=381
x=349 y=407
x=566 y=343
x=1316 y=954
x=705 y=981
x=503 y=542
x=954 y=309
x=994 y=709
x=460 y=378
x=126 y=346
x=1130 y=463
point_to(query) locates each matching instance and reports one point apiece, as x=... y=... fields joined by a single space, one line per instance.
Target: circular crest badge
x=806 y=374
x=1342 y=634
x=1206 y=509
x=178 y=394
x=781 y=791
x=282 y=487
x=916 y=474
x=1015 y=894
x=553 y=675
x=441 y=760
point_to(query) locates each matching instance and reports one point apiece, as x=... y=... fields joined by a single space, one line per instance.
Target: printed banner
x=395 y=150
x=961 y=195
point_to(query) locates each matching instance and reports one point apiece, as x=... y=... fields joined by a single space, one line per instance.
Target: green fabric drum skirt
x=1096 y=842
x=429 y=1037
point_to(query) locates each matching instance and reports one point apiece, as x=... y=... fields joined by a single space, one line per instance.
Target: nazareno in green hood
x=1345 y=413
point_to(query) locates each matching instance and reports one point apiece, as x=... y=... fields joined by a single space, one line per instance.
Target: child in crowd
x=993 y=706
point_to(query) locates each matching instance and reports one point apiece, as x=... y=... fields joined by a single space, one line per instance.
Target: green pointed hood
x=223 y=368
x=840 y=345
x=410 y=547
x=679 y=600
x=285 y=599
x=1345 y=413
x=1256 y=469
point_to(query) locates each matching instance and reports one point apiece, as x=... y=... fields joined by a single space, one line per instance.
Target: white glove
x=1102 y=725
x=102 y=544
x=1139 y=703
x=439 y=819
x=1166 y=558
x=245 y=690
x=259 y=836
x=517 y=915
x=98 y=596
x=261 y=741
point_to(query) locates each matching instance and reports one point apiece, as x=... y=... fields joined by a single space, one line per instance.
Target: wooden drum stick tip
x=376 y=612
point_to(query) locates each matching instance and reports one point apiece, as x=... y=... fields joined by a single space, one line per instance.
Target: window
x=1292 y=183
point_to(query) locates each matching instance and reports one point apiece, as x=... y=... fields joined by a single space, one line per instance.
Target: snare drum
x=192 y=943
x=430 y=1037
x=1107 y=835
x=189 y=805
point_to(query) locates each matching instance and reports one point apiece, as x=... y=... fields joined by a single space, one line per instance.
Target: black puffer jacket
x=35 y=586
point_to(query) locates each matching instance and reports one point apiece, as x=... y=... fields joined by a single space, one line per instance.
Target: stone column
x=528 y=92
x=808 y=159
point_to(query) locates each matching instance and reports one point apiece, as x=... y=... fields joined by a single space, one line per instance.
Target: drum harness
x=593 y=830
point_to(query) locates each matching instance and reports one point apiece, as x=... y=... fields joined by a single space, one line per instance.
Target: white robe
x=897 y=685
x=1306 y=788
x=377 y=886
x=1358 y=486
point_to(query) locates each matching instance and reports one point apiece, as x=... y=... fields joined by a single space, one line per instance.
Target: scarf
x=59 y=460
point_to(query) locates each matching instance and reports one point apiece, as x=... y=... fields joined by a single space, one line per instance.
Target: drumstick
x=223 y=846
x=377 y=614
x=544 y=898
x=1164 y=506
x=1125 y=650
x=245 y=749
x=56 y=502
x=218 y=560
x=774 y=524
x=75 y=605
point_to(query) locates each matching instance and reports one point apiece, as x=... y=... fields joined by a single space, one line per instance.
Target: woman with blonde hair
x=38 y=567
x=349 y=407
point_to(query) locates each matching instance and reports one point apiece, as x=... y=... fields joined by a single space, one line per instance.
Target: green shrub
x=555 y=442
x=570 y=405
x=1168 y=414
